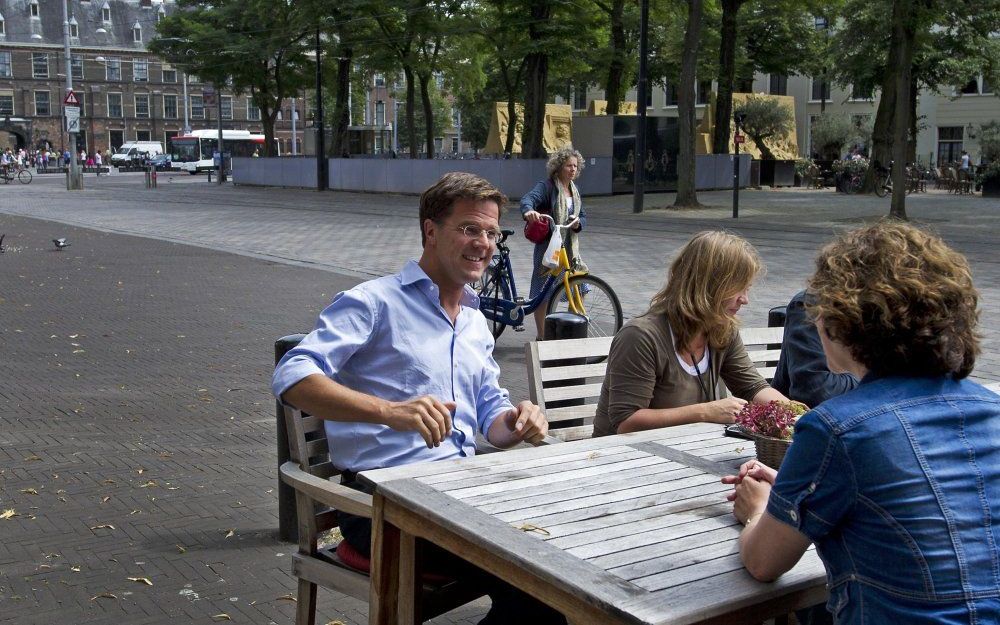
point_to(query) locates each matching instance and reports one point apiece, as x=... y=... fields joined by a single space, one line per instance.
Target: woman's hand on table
x=723 y=410
x=755 y=469
x=750 y=499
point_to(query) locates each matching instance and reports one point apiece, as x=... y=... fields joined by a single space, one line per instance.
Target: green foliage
x=831 y=132
x=802 y=167
x=765 y=118
x=989 y=141
x=850 y=166
x=441 y=118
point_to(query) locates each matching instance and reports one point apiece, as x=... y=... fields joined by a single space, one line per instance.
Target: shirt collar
x=413 y=273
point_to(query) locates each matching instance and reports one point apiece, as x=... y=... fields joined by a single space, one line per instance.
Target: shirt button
x=793 y=515
x=812 y=487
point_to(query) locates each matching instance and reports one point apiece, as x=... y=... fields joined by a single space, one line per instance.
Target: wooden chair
x=565 y=377
x=318 y=495
x=964 y=182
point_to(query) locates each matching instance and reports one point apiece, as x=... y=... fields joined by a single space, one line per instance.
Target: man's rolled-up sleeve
x=342 y=328
x=492 y=400
x=816 y=486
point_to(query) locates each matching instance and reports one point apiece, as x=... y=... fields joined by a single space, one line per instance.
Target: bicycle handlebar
x=575 y=221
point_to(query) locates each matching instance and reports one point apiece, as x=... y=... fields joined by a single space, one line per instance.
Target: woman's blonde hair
x=899 y=299
x=711 y=268
x=559 y=158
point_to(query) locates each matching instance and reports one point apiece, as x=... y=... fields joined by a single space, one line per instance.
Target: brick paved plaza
x=136 y=425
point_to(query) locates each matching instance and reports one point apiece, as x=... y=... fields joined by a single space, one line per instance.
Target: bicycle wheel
x=883 y=186
x=492 y=287
x=854 y=184
x=24 y=176
x=603 y=310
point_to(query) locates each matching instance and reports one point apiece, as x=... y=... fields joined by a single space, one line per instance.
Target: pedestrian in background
x=558 y=198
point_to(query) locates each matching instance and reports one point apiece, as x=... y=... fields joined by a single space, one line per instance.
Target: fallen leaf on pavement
x=76 y=569
x=104 y=595
x=141 y=580
x=179 y=548
x=289 y=596
x=7 y=514
x=106 y=499
x=149 y=484
x=29 y=491
x=222 y=617
x=103 y=526
x=528 y=527
x=230 y=533
x=32 y=459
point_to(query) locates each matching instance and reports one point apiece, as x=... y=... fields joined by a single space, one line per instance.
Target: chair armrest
x=328 y=493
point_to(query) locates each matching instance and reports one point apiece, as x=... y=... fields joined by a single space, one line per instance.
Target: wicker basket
x=771 y=451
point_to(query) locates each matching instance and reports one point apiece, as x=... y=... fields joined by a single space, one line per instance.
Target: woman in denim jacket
x=898 y=481
x=557 y=197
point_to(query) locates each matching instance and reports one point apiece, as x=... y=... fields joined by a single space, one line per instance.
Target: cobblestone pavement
x=136 y=427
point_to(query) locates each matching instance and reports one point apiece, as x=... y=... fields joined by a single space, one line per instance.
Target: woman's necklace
x=707 y=386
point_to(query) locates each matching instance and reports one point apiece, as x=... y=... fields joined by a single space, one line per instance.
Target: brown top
x=643 y=372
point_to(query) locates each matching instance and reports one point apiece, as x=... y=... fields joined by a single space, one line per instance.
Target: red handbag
x=537 y=231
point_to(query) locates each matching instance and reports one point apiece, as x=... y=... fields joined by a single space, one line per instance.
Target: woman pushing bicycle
x=558 y=198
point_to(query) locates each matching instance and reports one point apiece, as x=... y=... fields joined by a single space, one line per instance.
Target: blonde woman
x=664 y=366
x=558 y=198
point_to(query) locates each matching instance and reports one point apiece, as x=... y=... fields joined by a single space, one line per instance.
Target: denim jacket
x=542 y=197
x=898 y=485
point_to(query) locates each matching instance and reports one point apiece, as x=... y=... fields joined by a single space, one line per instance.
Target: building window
x=39 y=65
x=704 y=91
x=860 y=92
x=33 y=9
x=142 y=105
x=136 y=33
x=42 y=104
x=670 y=95
x=116 y=139
x=160 y=14
x=820 y=23
x=227 y=107
x=380 y=113
x=77 y=67
x=379 y=80
x=115 y=105
x=950 y=144
x=3 y=26
x=169 y=107
x=439 y=80
x=140 y=70
x=106 y=12
x=779 y=84
x=197 y=107
x=74 y=29
x=6 y=71
x=7 y=103
x=970 y=88
x=169 y=75
x=113 y=69
x=820 y=90
x=454 y=144
x=253 y=113
x=143 y=135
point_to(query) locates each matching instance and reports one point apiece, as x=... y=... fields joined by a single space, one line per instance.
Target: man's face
x=458 y=258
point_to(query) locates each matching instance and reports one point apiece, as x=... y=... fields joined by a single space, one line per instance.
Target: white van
x=134 y=150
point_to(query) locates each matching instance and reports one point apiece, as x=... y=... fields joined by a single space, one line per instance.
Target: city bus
x=193 y=152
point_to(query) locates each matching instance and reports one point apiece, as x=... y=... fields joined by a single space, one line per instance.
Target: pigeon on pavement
x=60 y=243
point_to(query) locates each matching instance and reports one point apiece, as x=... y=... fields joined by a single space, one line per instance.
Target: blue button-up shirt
x=391 y=338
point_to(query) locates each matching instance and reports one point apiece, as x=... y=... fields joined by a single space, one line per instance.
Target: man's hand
x=724 y=410
x=428 y=416
x=524 y=422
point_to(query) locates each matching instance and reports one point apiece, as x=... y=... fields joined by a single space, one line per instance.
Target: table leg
x=382 y=606
x=409 y=591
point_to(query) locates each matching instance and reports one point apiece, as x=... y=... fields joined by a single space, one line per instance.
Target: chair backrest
x=308 y=447
x=565 y=377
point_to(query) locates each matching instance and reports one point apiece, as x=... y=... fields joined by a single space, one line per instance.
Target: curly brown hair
x=712 y=267
x=899 y=299
x=437 y=201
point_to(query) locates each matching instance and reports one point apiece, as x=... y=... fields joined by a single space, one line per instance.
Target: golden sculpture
x=785 y=147
x=557 y=128
x=600 y=107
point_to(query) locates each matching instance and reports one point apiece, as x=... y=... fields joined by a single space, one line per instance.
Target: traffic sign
x=738 y=138
x=71 y=99
x=72 y=118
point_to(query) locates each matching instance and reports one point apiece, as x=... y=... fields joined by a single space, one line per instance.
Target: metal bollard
x=566 y=325
x=776 y=317
x=288 y=524
x=153 y=174
x=148 y=183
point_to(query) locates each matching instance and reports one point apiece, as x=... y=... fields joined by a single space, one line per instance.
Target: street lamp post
x=321 y=166
x=75 y=179
x=642 y=87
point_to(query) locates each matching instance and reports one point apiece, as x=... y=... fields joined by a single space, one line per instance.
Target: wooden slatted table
x=633 y=528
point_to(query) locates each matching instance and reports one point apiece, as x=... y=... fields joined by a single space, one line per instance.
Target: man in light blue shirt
x=402 y=369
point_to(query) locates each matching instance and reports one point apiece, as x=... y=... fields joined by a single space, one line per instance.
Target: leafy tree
x=223 y=41
x=617 y=59
x=764 y=119
x=686 y=191
x=989 y=141
x=440 y=121
x=830 y=133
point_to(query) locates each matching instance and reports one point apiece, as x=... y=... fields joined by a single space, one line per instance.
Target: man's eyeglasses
x=474 y=232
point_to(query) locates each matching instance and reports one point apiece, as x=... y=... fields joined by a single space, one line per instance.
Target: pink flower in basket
x=775 y=419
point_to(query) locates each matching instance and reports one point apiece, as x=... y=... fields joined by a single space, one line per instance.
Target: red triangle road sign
x=71 y=99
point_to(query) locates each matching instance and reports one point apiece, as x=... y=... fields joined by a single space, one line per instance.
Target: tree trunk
x=687 y=197
x=614 y=90
x=425 y=100
x=536 y=83
x=508 y=144
x=267 y=120
x=911 y=149
x=761 y=142
x=902 y=39
x=727 y=76
x=341 y=115
x=411 y=131
x=882 y=130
